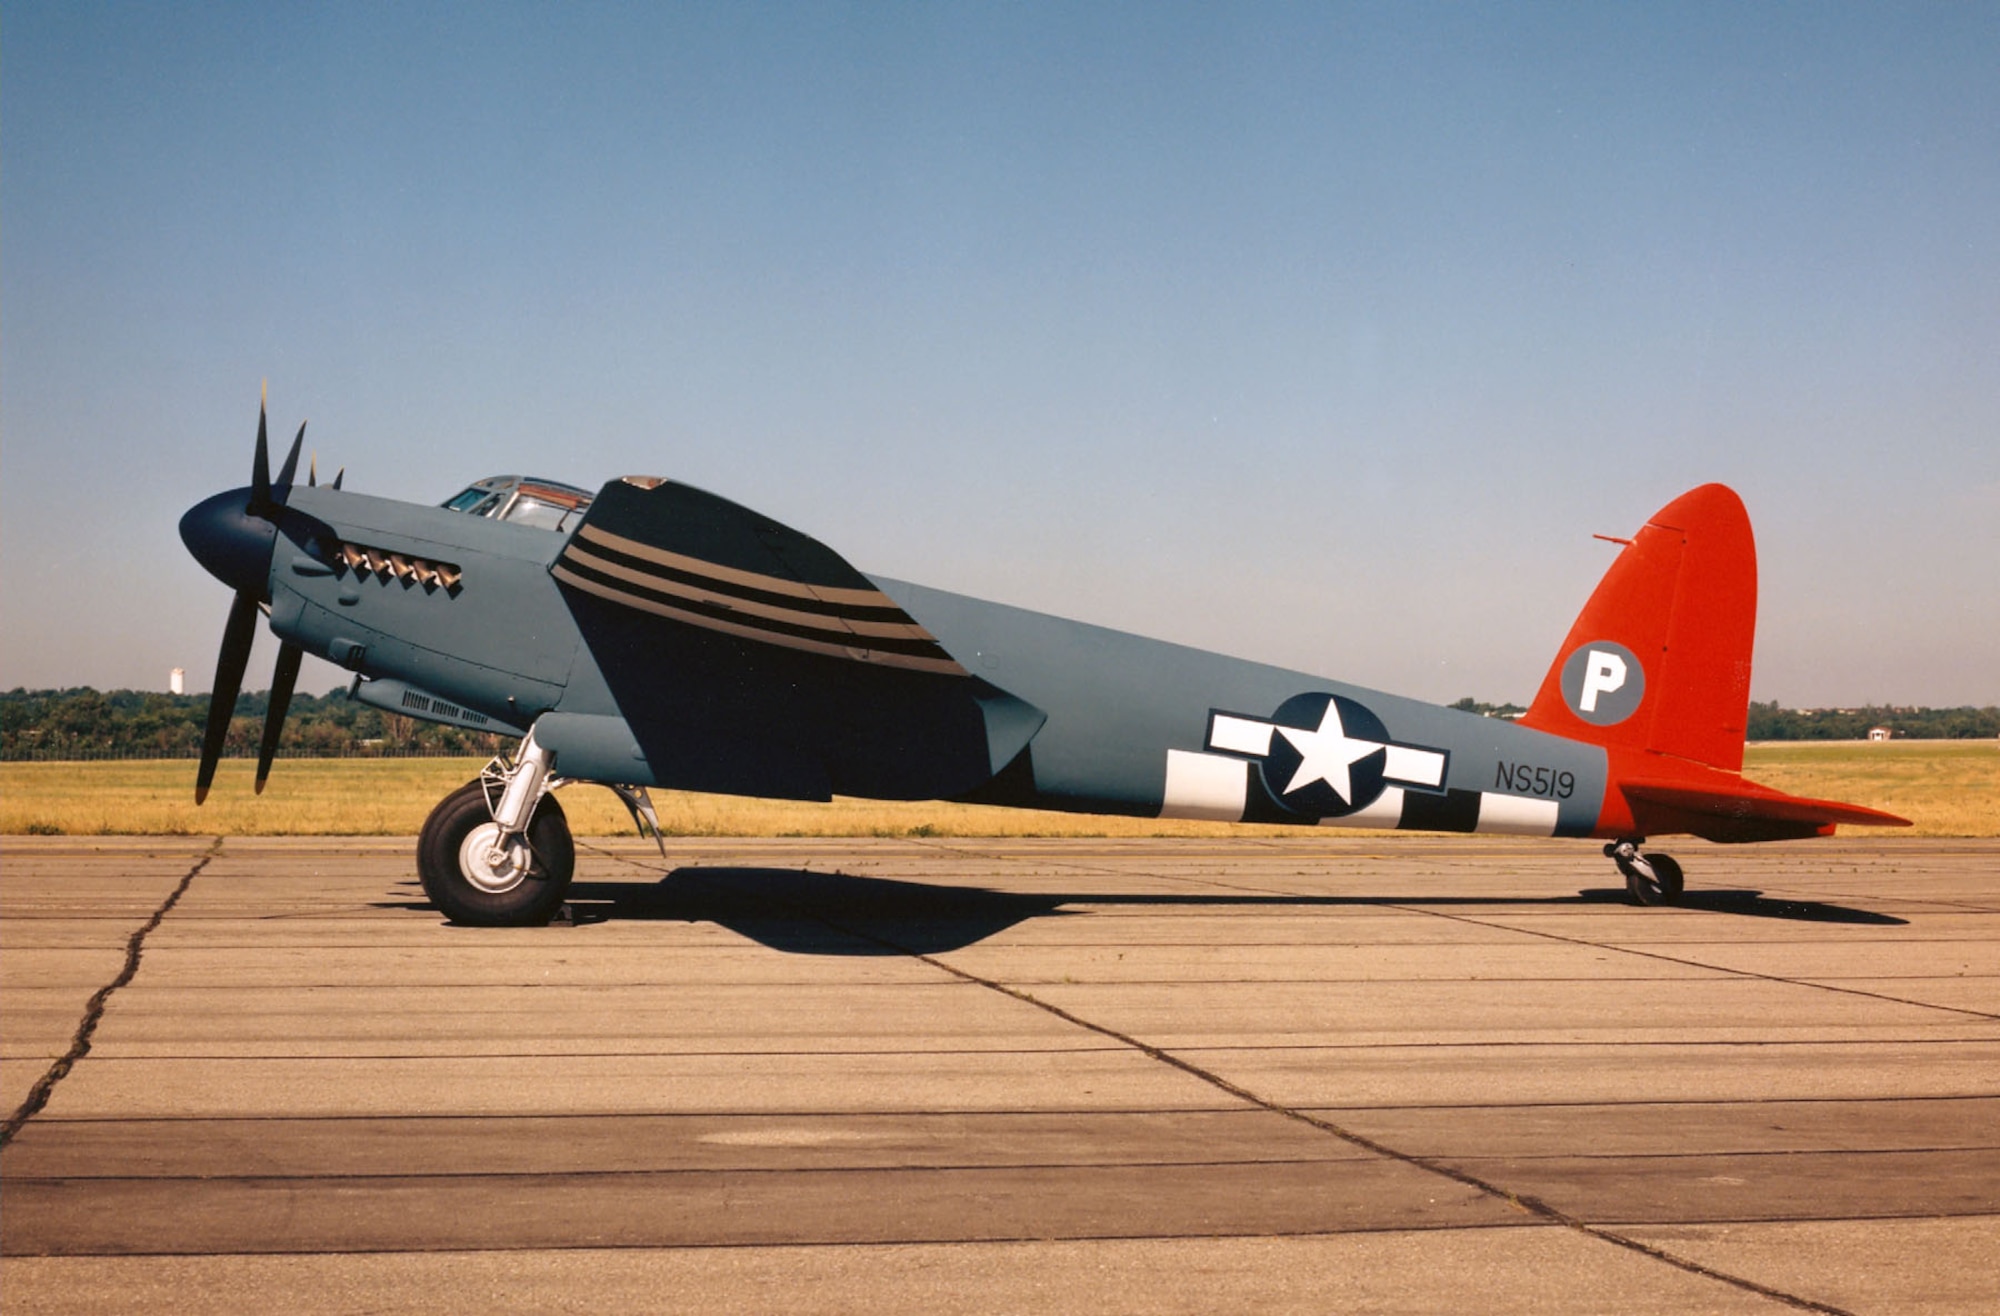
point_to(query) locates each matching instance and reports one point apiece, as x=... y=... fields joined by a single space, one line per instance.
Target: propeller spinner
x=233 y=535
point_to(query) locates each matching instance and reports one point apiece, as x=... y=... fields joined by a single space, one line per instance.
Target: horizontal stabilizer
x=1757 y=805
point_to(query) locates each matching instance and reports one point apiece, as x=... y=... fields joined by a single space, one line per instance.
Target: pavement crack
x=1525 y=1203
x=1528 y=1204
x=93 y=1010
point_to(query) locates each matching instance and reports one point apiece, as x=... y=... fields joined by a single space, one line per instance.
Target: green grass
x=1949 y=788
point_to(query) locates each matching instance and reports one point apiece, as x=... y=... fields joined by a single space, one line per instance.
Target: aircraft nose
x=231 y=544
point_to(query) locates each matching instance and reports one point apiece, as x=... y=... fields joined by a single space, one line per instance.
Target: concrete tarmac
x=1354 y=1073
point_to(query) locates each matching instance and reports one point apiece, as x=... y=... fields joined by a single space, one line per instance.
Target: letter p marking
x=1604 y=673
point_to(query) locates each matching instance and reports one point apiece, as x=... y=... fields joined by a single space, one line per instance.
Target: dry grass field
x=1950 y=788
x=1946 y=787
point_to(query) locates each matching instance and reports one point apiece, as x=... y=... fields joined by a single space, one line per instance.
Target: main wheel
x=472 y=878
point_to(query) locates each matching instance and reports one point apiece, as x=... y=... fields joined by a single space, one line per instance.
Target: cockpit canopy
x=523 y=500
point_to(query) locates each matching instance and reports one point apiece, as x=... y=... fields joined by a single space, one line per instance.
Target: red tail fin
x=1659 y=659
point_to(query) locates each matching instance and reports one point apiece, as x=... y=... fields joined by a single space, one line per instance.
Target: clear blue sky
x=1320 y=334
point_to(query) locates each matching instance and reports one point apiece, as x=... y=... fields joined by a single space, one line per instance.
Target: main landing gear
x=1650 y=879
x=497 y=851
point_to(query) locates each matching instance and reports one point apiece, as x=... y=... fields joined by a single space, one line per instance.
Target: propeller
x=234 y=535
x=237 y=635
x=291 y=466
x=282 y=680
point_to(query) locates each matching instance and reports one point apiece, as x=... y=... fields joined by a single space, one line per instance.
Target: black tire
x=1644 y=890
x=1668 y=870
x=500 y=900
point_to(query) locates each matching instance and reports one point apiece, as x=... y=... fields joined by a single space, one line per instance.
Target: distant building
x=177 y=680
x=1880 y=733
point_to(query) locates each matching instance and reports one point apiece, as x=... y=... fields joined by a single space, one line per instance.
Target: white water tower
x=177 y=680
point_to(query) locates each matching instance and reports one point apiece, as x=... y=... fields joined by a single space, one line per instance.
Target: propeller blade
x=312 y=471
x=338 y=476
x=282 y=680
x=260 y=468
x=283 y=484
x=229 y=663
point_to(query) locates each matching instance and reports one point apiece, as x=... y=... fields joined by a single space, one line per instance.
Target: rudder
x=1659 y=658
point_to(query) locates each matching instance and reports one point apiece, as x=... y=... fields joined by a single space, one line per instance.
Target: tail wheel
x=1667 y=872
x=476 y=876
x=1652 y=879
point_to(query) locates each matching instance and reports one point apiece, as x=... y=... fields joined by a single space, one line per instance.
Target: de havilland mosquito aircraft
x=652 y=634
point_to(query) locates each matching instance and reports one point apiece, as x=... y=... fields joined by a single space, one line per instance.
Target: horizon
x=344 y=687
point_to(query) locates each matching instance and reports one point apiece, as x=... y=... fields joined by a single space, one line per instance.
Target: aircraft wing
x=750 y=657
x=676 y=552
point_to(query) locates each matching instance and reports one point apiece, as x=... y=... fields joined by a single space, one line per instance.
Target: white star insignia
x=1326 y=754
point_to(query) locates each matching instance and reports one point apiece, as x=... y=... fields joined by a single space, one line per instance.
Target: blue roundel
x=1326 y=757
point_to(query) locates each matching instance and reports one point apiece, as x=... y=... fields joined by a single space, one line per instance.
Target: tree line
x=122 y=724
x=89 y=724
x=1770 y=722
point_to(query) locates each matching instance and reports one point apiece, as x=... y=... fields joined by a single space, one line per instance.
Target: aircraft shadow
x=812 y=913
